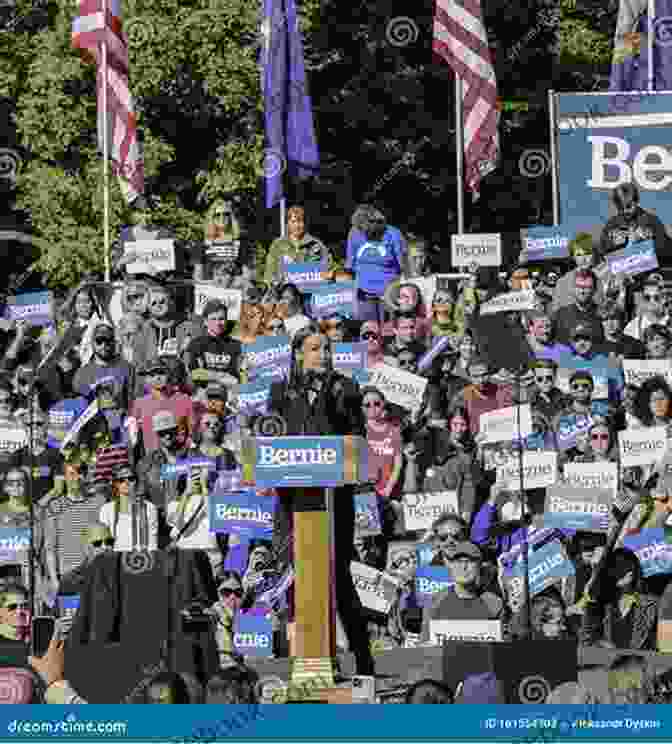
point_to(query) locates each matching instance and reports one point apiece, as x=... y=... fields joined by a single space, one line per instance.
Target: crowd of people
x=126 y=379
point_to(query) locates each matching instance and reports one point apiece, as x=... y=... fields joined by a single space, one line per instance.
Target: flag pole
x=459 y=154
x=650 y=39
x=283 y=217
x=106 y=184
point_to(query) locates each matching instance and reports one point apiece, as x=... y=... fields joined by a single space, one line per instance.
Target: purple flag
x=630 y=65
x=290 y=145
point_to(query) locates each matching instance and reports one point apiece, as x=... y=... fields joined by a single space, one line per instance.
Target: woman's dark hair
x=312 y=329
x=648 y=387
x=429 y=692
x=607 y=591
x=174 y=682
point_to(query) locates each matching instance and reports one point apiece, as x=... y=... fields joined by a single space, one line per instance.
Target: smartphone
x=41 y=635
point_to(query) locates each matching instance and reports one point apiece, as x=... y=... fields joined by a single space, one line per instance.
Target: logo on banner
x=244 y=512
x=483 y=249
x=653 y=551
x=421 y=509
x=634 y=259
x=642 y=447
x=332 y=297
x=585 y=509
x=430 y=581
x=253 y=635
x=150 y=256
x=232 y=298
x=545 y=243
x=303 y=275
x=268 y=357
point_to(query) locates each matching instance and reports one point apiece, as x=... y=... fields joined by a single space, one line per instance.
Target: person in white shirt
x=129 y=534
x=189 y=521
x=289 y=309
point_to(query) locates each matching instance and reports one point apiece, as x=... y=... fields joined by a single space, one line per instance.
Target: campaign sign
x=13 y=540
x=483 y=249
x=638 y=371
x=634 y=259
x=349 y=358
x=398 y=386
x=151 y=256
x=502 y=425
x=592 y=475
x=421 y=509
x=585 y=509
x=424 y=553
x=303 y=275
x=377 y=590
x=546 y=565
x=367 y=514
x=253 y=397
x=642 y=446
x=543 y=243
x=482 y=631
x=253 y=634
x=12 y=439
x=302 y=462
x=62 y=417
x=34 y=307
x=569 y=427
x=232 y=298
x=242 y=512
x=268 y=357
x=184 y=466
x=430 y=581
x=653 y=551
x=510 y=302
x=540 y=470
x=332 y=297
x=597 y=153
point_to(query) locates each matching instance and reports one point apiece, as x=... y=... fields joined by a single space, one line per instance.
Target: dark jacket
x=597 y=623
x=337 y=410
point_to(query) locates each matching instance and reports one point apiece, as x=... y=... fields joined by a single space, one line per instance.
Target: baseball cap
x=467 y=550
x=163 y=421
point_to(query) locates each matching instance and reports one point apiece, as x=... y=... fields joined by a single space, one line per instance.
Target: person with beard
x=584 y=258
x=540 y=337
x=579 y=410
x=217 y=353
x=298 y=246
x=171 y=331
x=161 y=397
x=106 y=363
x=405 y=336
x=584 y=310
x=633 y=225
x=376 y=257
x=545 y=397
x=317 y=401
x=455 y=466
x=482 y=395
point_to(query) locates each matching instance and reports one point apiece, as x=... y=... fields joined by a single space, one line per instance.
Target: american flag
x=90 y=30
x=460 y=40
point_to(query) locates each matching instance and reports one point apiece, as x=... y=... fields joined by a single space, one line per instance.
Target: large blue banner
x=653 y=551
x=253 y=397
x=602 y=146
x=430 y=581
x=303 y=275
x=543 y=243
x=13 y=541
x=253 y=634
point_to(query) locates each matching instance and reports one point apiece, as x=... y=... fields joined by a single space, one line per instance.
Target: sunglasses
x=369 y=336
x=168 y=433
x=225 y=591
x=581 y=386
x=104 y=341
x=15 y=607
x=212 y=424
x=544 y=378
x=108 y=543
x=600 y=437
x=373 y=404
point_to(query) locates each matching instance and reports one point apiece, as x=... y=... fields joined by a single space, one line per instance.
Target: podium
x=311 y=467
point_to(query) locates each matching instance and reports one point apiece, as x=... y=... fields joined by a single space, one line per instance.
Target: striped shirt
x=64 y=526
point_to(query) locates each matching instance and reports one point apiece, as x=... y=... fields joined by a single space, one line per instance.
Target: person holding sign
x=583 y=311
x=298 y=246
x=216 y=356
x=632 y=224
x=482 y=395
x=466 y=600
x=584 y=257
x=616 y=342
x=651 y=310
x=289 y=308
x=657 y=342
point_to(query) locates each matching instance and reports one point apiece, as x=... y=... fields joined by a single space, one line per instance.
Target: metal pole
x=106 y=154
x=283 y=217
x=330 y=494
x=554 y=156
x=459 y=154
x=525 y=546
x=650 y=40
x=31 y=490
